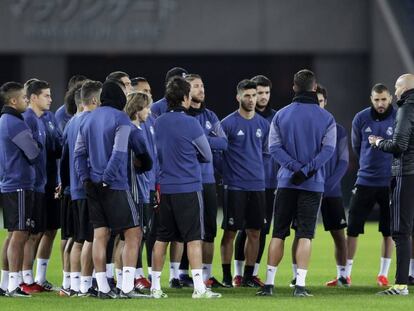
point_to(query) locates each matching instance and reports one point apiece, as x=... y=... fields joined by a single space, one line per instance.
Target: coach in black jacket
x=402 y=184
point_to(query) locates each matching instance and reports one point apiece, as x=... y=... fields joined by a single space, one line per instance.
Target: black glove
x=298 y=178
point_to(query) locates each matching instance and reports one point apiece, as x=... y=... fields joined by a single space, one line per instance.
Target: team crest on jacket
x=208 y=125
x=259 y=133
x=389 y=131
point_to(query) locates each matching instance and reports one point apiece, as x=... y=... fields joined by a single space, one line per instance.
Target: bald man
x=402 y=184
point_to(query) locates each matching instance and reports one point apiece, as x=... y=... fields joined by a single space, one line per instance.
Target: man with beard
x=402 y=207
x=244 y=180
x=302 y=145
x=374 y=176
x=263 y=108
x=218 y=142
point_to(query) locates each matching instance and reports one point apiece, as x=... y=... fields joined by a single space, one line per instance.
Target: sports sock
x=256 y=269
x=128 y=274
x=226 y=271
x=340 y=271
x=110 y=270
x=41 y=268
x=384 y=266
x=139 y=273
x=4 y=279
x=238 y=267
x=28 y=277
x=207 y=271
x=20 y=274
x=174 y=270
x=66 y=280
x=102 y=281
x=85 y=283
x=13 y=281
x=349 y=263
x=155 y=280
x=118 y=278
x=75 y=281
x=198 y=280
x=301 y=277
x=270 y=275
x=411 y=273
x=248 y=272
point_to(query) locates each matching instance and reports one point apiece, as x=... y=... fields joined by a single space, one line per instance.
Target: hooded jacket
x=19 y=151
x=101 y=149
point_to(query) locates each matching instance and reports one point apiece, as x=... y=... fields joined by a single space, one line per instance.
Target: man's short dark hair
x=192 y=76
x=137 y=80
x=117 y=75
x=379 y=88
x=263 y=81
x=177 y=88
x=117 y=82
x=175 y=72
x=36 y=87
x=75 y=79
x=304 y=80
x=7 y=91
x=90 y=89
x=70 y=103
x=26 y=84
x=245 y=84
x=321 y=90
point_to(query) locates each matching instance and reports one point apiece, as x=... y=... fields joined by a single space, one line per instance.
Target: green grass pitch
x=361 y=296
